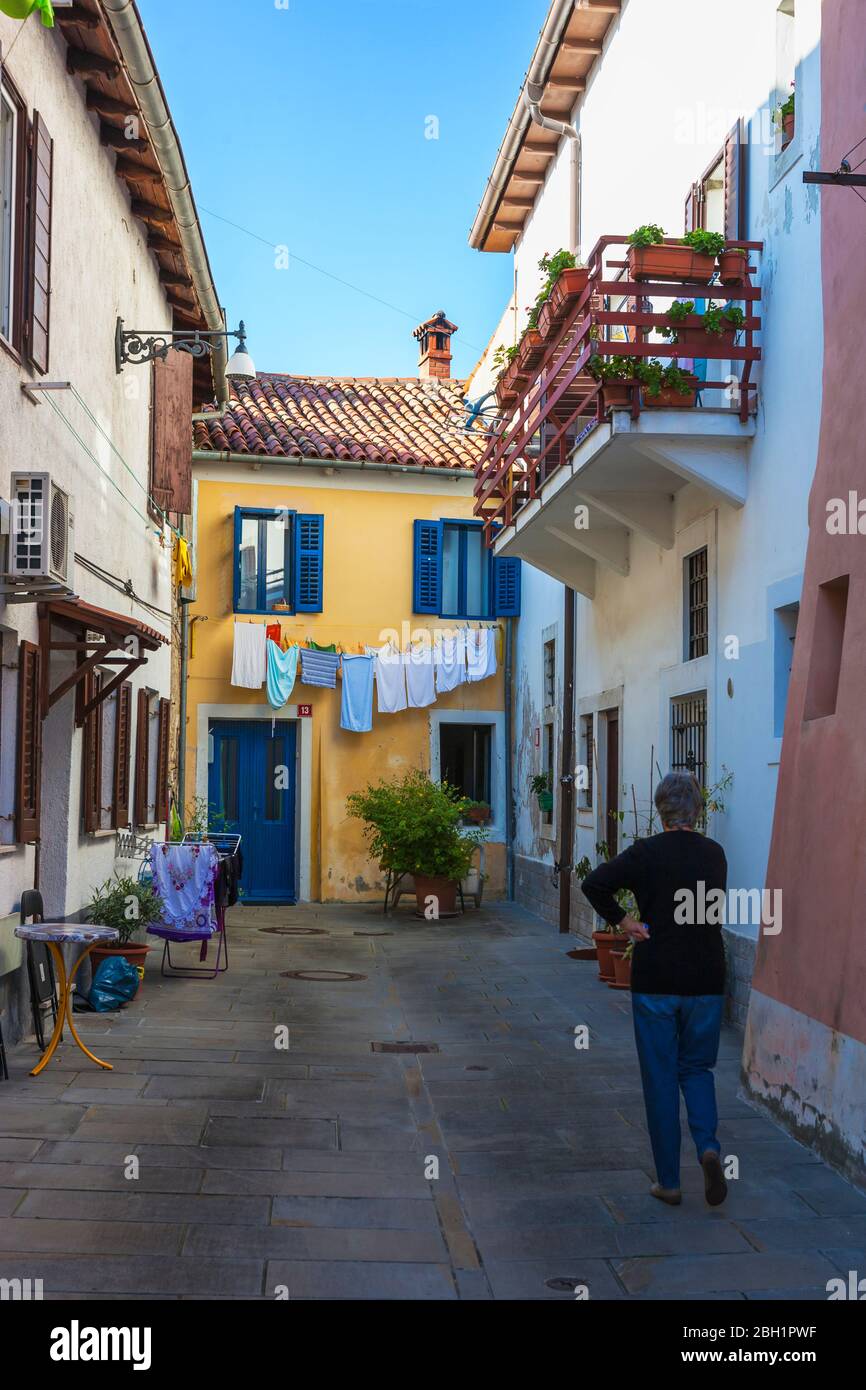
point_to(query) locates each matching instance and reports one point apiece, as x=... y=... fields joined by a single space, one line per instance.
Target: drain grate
x=372 y=933
x=564 y=1285
x=324 y=975
x=294 y=931
x=476 y=1068
x=404 y=1047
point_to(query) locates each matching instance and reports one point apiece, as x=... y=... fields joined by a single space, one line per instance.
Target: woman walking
x=678 y=977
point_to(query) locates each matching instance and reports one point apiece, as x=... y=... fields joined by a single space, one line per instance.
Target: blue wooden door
x=251 y=783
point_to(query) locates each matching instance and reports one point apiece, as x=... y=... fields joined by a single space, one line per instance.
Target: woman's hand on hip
x=636 y=931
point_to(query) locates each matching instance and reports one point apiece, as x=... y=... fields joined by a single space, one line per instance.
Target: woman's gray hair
x=678 y=799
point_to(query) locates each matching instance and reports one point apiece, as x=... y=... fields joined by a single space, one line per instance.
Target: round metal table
x=54 y=935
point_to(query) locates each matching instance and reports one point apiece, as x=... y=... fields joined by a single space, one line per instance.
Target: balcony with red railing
x=637 y=381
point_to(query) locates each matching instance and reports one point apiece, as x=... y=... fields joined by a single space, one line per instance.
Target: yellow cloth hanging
x=182 y=562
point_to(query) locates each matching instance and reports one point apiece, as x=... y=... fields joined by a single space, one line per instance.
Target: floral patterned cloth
x=184 y=876
x=61 y=932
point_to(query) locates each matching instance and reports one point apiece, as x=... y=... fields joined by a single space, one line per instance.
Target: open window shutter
x=506 y=587
x=162 y=761
x=693 y=200
x=29 y=760
x=427 y=567
x=309 y=562
x=171 y=441
x=142 y=759
x=120 y=798
x=92 y=754
x=39 y=244
x=735 y=185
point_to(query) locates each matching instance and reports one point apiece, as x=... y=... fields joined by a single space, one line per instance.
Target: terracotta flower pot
x=444 y=890
x=788 y=125
x=567 y=289
x=530 y=351
x=616 y=394
x=134 y=952
x=668 y=397
x=605 y=943
x=506 y=388
x=670 y=263
x=621 y=970
x=547 y=319
x=478 y=815
x=732 y=267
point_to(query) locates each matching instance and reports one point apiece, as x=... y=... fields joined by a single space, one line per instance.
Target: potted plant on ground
x=413 y=826
x=607 y=939
x=130 y=907
x=542 y=787
x=622 y=967
x=693 y=258
x=666 y=386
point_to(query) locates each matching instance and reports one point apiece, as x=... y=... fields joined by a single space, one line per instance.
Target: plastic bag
x=114 y=984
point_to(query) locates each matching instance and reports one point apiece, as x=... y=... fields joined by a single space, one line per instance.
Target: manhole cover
x=326 y=975
x=372 y=933
x=476 y=1068
x=404 y=1047
x=294 y=931
x=561 y=1285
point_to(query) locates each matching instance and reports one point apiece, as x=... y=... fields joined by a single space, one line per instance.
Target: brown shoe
x=672 y=1195
x=715 y=1187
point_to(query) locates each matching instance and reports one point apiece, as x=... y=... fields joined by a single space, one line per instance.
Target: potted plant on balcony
x=542 y=787
x=666 y=386
x=733 y=265
x=130 y=907
x=413 y=826
x=784 y=117
x=721 y=322
x=614 y=373
x=504 y=365
x=693 y=258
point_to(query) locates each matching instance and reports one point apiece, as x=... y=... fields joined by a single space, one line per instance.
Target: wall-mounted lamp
x=141 y=345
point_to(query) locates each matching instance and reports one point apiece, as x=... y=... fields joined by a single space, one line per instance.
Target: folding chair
x=40 y=967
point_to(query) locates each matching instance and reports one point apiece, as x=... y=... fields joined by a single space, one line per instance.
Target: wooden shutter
x=39 y=244
x=427 y=567
x=142 y=758
x=171 y=433
x=506 y=587
x=162 y=761
x=122 y=746
x=92 y=755
x=309 y=562
x=29 y=759
x=735 y=185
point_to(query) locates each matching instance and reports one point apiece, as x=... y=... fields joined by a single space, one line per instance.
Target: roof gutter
x=256 y=461
x=135 y=50
x=536 y=78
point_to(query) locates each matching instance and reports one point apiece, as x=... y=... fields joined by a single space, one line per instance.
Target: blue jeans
x=677 y=1040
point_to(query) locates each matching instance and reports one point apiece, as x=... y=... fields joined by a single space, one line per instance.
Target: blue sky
x=306 y=125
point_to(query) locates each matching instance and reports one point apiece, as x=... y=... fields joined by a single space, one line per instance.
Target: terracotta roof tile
x=399 y=420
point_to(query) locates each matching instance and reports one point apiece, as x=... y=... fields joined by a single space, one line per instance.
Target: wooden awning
x=98 y=637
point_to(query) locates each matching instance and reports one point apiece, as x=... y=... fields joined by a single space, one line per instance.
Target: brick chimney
x=434 y=346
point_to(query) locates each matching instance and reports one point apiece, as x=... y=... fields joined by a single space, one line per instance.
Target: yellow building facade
x=299 y=844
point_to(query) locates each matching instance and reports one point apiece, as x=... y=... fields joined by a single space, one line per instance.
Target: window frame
x=264 y=514
x=465 y=526
x=692 y=637
x=487 y=730
x=13 y=341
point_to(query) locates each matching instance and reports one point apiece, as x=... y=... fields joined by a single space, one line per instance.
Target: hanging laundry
x=248 y=659
x=480 y=654
x=274 y=633
x=282 y=670
x=492 y=635
x=356 y=709
x=182 y=563
x=331 y=647
x=319 y=667
x=420 y=686
x=390 y=671
x=450 y=662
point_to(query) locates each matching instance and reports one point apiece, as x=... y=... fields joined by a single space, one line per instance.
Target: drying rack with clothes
x=197 y=880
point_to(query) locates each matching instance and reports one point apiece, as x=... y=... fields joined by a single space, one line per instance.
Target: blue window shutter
x=236 y=582
x=427 y=568
x=309 y=562
x=506 y=587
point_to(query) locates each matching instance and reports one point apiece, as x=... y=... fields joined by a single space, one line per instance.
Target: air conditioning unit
x=41 y=530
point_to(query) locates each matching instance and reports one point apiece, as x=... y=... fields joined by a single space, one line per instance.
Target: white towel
x=450 y=661
x=420 y=690
x=476 y=653
x=390 y=668
x=490 y=670
x=249 y=661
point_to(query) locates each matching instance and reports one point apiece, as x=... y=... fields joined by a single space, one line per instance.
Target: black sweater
x=680 y=957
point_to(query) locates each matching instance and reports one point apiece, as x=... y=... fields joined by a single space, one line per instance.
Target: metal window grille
x=550 y=673
x=586 y=752
x=697 y=589
x=689 y=735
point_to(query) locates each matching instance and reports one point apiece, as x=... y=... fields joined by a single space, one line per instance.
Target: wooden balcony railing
x=550 y=400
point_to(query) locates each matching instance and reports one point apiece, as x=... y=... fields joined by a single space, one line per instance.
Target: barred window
x=697 y=603
x=689 y=734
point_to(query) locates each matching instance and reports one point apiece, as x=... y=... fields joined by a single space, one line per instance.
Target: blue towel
x=356 y=711
x=282 y=669
x=319 y=668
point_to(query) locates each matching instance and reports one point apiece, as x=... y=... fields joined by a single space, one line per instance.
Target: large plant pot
x=567 y=289
x=444 y=890
x=732 y=268
x=670 y=263
x=135 y=953
x=605 y=943
x=669 y=398
x=621 y=970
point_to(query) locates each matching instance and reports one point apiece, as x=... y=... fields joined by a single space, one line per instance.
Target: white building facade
x=683 y=532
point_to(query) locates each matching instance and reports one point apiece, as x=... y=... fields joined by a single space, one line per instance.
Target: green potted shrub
x=692 y=258
x=614 y=373
x=413 y=826
x=542 y=787
x=785 y=118
x=722 y=323
x=733 y=265
x=130 y=907
x=665 y=386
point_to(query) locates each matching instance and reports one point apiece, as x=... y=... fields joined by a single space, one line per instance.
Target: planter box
x=668 y=397
x=506 y=387
x=732 y=268
x=547 y=319
x=567 y=289
x=695 y=341
x=616 y=395
x=670 y=263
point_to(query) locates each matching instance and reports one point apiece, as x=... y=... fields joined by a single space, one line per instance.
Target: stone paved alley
x=261 y=1168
